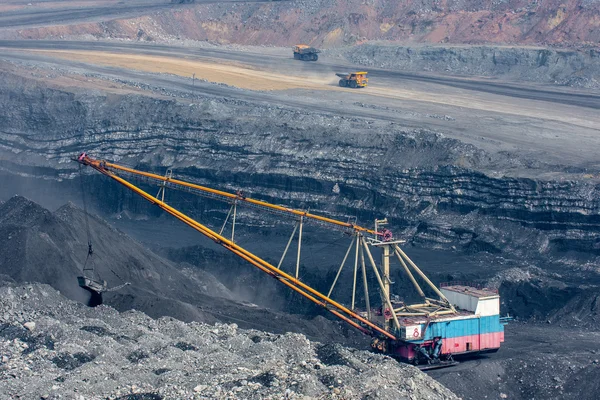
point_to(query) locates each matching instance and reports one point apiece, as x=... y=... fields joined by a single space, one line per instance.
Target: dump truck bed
x=308 y=50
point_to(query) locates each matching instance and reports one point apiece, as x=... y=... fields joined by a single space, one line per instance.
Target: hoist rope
x=87 y=222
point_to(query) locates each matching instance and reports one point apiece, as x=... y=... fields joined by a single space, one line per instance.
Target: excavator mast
x=398 y=329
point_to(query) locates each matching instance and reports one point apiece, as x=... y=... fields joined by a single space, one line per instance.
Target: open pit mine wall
x=562 y=67
x=335 y=165
x=330 y=23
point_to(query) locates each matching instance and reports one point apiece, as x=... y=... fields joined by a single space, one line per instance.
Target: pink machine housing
x=476 y=328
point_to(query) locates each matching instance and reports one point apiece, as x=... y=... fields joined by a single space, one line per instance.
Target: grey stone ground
x=51 y=348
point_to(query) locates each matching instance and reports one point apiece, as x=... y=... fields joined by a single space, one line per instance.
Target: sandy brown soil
x=235 y=74
x=9 y=7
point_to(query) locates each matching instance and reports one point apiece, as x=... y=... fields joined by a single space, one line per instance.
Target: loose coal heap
x=52 y=347
x=47 y=247
x=37 y=245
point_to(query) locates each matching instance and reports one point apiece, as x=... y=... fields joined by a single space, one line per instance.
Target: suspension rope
x=90 y=253
x=87 y=223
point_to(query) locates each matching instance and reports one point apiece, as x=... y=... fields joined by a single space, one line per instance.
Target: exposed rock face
x=98 y=353
x=572 y=68
x=439 y=190
x=347 y=22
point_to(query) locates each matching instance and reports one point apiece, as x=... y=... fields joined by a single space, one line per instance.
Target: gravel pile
x=51 y=348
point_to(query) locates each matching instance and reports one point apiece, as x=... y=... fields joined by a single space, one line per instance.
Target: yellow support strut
x=108 y=165
x=339 y=310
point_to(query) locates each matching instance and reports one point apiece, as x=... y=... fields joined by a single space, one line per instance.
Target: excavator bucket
x=96 y=288
x=91 y=285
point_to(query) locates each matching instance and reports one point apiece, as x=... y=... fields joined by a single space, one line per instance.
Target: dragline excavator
x=454 y=319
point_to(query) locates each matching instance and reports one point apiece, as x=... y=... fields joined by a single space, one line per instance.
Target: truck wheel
x=296 y=56
x=342 y=82
x=315 y=57
x=353 y=84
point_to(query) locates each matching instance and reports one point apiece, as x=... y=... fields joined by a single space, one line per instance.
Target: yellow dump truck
x=353 y=79
x=305 y=53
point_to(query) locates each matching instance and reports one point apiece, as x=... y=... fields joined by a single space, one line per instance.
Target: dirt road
x=253 y=77
x=280 y=60
x=26 y=14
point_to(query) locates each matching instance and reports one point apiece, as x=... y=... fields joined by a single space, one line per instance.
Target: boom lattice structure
x=431 y=330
